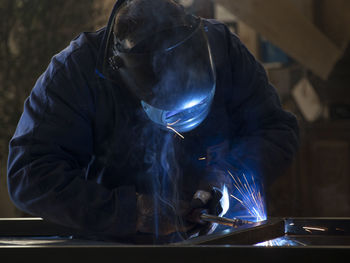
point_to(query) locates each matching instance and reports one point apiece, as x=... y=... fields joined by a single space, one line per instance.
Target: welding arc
x=235 y=222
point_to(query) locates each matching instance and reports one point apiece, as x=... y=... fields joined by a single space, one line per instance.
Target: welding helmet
x=170 y=71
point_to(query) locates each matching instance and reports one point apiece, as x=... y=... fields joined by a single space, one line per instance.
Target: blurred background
x=303 y=45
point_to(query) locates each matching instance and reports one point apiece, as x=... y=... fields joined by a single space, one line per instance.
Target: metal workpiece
x=245 y=234
x=272 y=240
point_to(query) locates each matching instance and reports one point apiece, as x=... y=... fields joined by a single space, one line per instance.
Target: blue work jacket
x=77 y=157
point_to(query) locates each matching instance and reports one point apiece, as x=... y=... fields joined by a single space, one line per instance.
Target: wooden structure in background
x=324 y=166
x=332 y=16
x=285 y=25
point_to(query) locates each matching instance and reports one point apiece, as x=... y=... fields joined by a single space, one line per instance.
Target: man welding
x=131 y=129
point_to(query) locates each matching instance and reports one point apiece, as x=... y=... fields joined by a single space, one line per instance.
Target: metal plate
x=42 y=241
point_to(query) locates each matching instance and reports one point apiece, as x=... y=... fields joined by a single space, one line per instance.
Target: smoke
x=165 y=177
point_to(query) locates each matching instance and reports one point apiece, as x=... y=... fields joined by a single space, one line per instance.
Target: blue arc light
x=185 y=119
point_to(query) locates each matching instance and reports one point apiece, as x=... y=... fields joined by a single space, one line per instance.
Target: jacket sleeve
x=267 y=135
x=49 y=156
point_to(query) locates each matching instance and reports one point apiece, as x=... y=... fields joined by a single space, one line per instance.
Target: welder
x=131 y=129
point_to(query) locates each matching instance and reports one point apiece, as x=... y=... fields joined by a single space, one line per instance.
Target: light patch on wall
x=307 y=100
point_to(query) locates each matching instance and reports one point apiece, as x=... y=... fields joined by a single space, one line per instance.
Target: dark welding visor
x=171 y=72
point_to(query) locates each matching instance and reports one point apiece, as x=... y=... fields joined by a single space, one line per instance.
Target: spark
x=309 y=228
x=173 y=123
x=299 y=242
x=179 y=134
x=236 y=198
x=202 y=158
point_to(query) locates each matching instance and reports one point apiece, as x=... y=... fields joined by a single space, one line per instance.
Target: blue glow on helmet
x=187 y=118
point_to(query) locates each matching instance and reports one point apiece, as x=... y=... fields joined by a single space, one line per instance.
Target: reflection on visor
x=185 y=119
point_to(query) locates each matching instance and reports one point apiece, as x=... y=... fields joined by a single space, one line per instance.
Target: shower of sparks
x=179 y=134
x=249 y=196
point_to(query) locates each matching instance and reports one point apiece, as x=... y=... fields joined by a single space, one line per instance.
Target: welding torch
x=235 y=222
x=202 y=217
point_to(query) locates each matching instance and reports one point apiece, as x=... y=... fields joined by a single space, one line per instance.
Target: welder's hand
x=204 y=202
x=208 y=200
x=164 y=216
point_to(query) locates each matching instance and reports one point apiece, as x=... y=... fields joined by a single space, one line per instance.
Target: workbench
x=276 y=239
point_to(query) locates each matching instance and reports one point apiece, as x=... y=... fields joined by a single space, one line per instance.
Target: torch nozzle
x=235 y=222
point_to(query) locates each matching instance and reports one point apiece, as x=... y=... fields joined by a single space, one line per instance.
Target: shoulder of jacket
x=80 y=54
x=73 y=67
x=84 y=42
